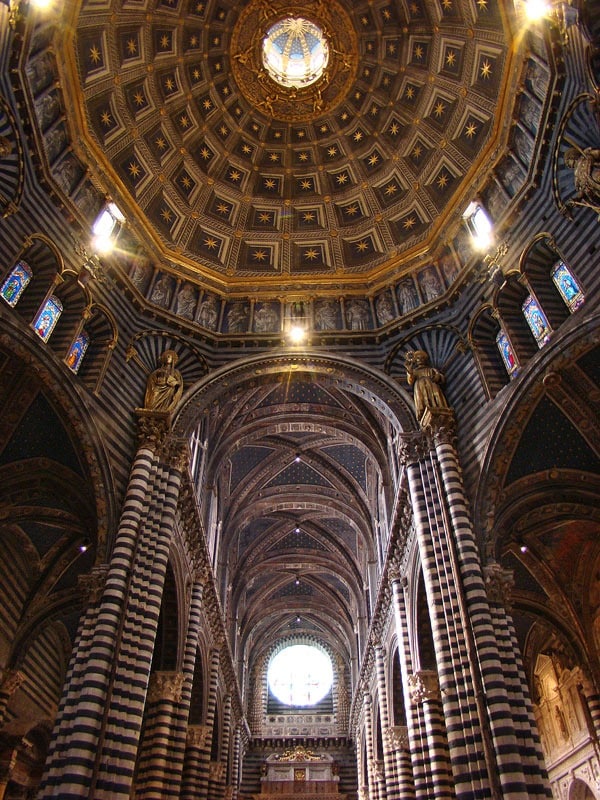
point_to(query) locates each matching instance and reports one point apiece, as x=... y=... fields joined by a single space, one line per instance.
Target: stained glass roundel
x=300 y=675
x=295 y=52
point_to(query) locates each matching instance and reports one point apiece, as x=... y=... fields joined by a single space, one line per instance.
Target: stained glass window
x=569 y=289
x=47 y=317
x=300 y=675
x=14 y=285
x=537 y=320
x=77 y=351
x=508 y=354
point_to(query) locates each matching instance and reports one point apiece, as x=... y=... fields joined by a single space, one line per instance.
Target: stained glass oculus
x=300 y=675
x=295 y=52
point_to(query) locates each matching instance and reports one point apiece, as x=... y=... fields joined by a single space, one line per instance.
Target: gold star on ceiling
x=106 y=118
x=166 y=214
x=165 y=41
x=211 y=243
x=332 y=151
x=394 y=129
x=391 y=189
x=306 y=184
x=301 y=134
x=259 y=255
x=270 y=184
x=418 y=52
x=417 y=150
x=264 y=217
x=169 y=84
x=439 y=109
x=308 y=216
x=342 y=178
x=391 y=49
x=373 y=160
x=470 y=130
x=94 y=54
x=352 y=210
x=358 y=136
x=207 y=104
x=224 y=130
x=184 y=121
x=134 y=169
x=303 y=156
x=442 y=181
x=410 y=93
x=362 y=246
x=374 y=111
x=311 y=255
x=205 y=153
x=186 y=182
x=409 y=223
x=447 y=5
x=131 y=47
x=196 y=74
x=225 y=91
x=486 y=69
x=450 y=58
x=194 y=41
x=386 y=14
x=234 y=175
x=223 y=208
x=324 y=128
x=274 y=157
x=482 y=5
x=139 y=99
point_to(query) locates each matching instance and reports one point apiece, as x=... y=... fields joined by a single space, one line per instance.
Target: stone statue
x=165 y=384
x=427 y=382
x=5 y=146
x=586 y=174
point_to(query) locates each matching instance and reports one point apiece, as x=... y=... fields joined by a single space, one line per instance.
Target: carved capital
x=92 y=584
x=412 y=447
x=198 y=735
x=498 y=585
x=397 y=737
x=10 y=681
x=177 y=454
x=165 y=686
x=440 y=423
x=154 y=429
x=217 y=771
x=423 y=686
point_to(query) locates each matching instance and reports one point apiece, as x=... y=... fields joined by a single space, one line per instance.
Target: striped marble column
x=219 y=775
x=235 y=763
x=512 y=761
x=371 y=768
x=155 y=779
x=390 y=777
x=413 y=781
x=424 y=692
x=196 y=772
x=193 y=767
x=97 y=730
x=182 y=711
x=397 y=736
x=498 y=583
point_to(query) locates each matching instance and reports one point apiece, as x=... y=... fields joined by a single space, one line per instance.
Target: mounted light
x=106 y=228
x=480 y=225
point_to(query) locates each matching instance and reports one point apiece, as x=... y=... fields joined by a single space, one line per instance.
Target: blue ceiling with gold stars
x=238 y=178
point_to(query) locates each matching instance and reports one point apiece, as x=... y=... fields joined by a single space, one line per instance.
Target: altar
x=299 y=771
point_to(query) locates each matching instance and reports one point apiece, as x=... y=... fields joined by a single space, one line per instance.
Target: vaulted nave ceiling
x=248 y=185
x=302 y=472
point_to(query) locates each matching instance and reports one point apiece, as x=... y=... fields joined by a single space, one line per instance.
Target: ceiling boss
x=294 y=61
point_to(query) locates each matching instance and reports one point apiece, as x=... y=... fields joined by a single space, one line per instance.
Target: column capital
x=440 y=424
x=165 y=686
x=424 y=686
x=498 y=585
x=154 y=428
x=413 y=446
x=198 y=735
x=11 y=680
x=91 y=585
x=397 y=737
